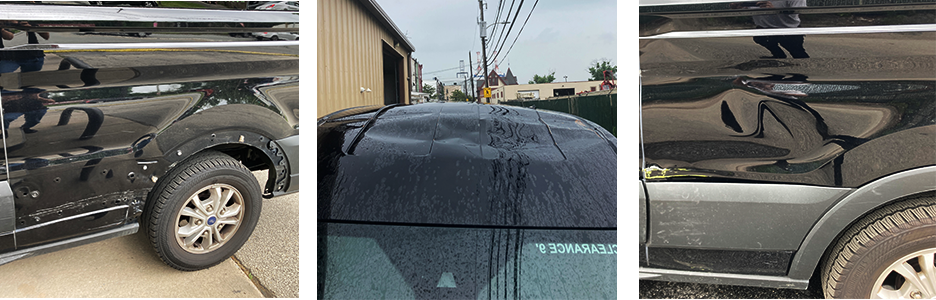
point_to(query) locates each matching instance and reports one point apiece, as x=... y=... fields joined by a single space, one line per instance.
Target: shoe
x=30 y=130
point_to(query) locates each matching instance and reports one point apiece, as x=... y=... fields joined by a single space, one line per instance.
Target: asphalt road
x=677 y=290
x=128 y=267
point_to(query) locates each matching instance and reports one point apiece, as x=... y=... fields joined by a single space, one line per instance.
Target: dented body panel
x=758 y=124
x=93 y=128
x=501 y=201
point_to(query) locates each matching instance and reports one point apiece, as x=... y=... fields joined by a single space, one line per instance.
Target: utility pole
x=471 y=67
x=461 y=65
x=439 y=88
x=483 y=45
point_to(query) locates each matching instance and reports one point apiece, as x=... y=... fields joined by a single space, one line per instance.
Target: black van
x=105 y=134
x=465 y=200
x=789 y=143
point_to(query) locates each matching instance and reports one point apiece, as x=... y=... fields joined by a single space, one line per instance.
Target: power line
x=500 y=37
x=521 y=29
x=501 y=46
x=500 y=8
x=433 y=72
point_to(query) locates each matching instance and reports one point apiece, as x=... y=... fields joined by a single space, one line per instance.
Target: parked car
x=463 y=200
x=789 y=143
x=126 y=3
x=279 y=5
x=276 y=36
x=98 y=144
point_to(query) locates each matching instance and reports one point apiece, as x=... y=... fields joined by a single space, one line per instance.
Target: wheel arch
x=852 y=208
x=254 y=150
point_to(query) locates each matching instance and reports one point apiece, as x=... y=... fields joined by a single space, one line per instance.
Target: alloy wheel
x=209 y=218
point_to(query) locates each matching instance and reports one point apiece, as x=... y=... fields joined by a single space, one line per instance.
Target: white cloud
x=561 y=35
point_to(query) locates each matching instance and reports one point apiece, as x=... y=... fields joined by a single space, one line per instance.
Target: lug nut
x=916 y=295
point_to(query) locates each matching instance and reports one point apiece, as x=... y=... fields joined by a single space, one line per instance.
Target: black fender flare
x=852 y=207
x=271 y=151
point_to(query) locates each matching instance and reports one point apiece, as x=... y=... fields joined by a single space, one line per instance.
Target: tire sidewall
x=166 y=226
x=870 y=264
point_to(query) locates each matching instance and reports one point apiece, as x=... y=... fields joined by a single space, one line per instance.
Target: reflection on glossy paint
x=830 y=94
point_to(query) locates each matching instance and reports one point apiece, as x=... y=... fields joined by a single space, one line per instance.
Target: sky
x=566 y=37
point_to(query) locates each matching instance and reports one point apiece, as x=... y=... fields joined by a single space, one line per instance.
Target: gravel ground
x=272 y=252
x=677 y=290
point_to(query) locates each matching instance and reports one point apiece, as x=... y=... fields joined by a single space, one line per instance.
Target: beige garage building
x=363 y=58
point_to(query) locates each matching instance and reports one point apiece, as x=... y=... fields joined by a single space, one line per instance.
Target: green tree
x=429 y=89
x=458 y=95
x=543 y=79
x=600 y=66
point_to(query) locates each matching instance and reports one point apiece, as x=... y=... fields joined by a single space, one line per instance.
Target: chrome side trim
x=723 y=278
x=150 y=45
x=74 y=242
x=677 y=2
x=73 y=217
x=26 y=12
x=863 y=200
x=643 y=158
x=793 y=31
x=642 y=218
x=3 y=134
x=7 y=209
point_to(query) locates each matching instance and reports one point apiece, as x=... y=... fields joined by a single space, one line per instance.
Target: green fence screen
x=599 y=107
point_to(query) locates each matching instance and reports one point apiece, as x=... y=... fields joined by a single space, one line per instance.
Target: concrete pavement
x=308 y=247
x=128 y=267
x=120 y=267
x=272 y=252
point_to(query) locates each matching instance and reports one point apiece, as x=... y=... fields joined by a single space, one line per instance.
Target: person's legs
x=8 y=66
x=772 y=45
x=32 y=119
x=32 y=64
x=794 y=44
x=9 y=117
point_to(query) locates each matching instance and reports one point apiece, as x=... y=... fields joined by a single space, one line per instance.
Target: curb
x=267 y=293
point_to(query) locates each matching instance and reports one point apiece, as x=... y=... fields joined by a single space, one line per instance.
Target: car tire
x=187 y=231
x=274 y=38
x=887 y=254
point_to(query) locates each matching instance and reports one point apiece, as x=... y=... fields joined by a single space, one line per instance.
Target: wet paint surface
x=467 y=164
x=451 y=200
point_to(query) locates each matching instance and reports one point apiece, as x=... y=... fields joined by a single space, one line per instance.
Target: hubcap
x=201 y=227
x=913 y=277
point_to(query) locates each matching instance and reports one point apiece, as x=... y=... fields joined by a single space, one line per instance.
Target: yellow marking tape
x=647 y=173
